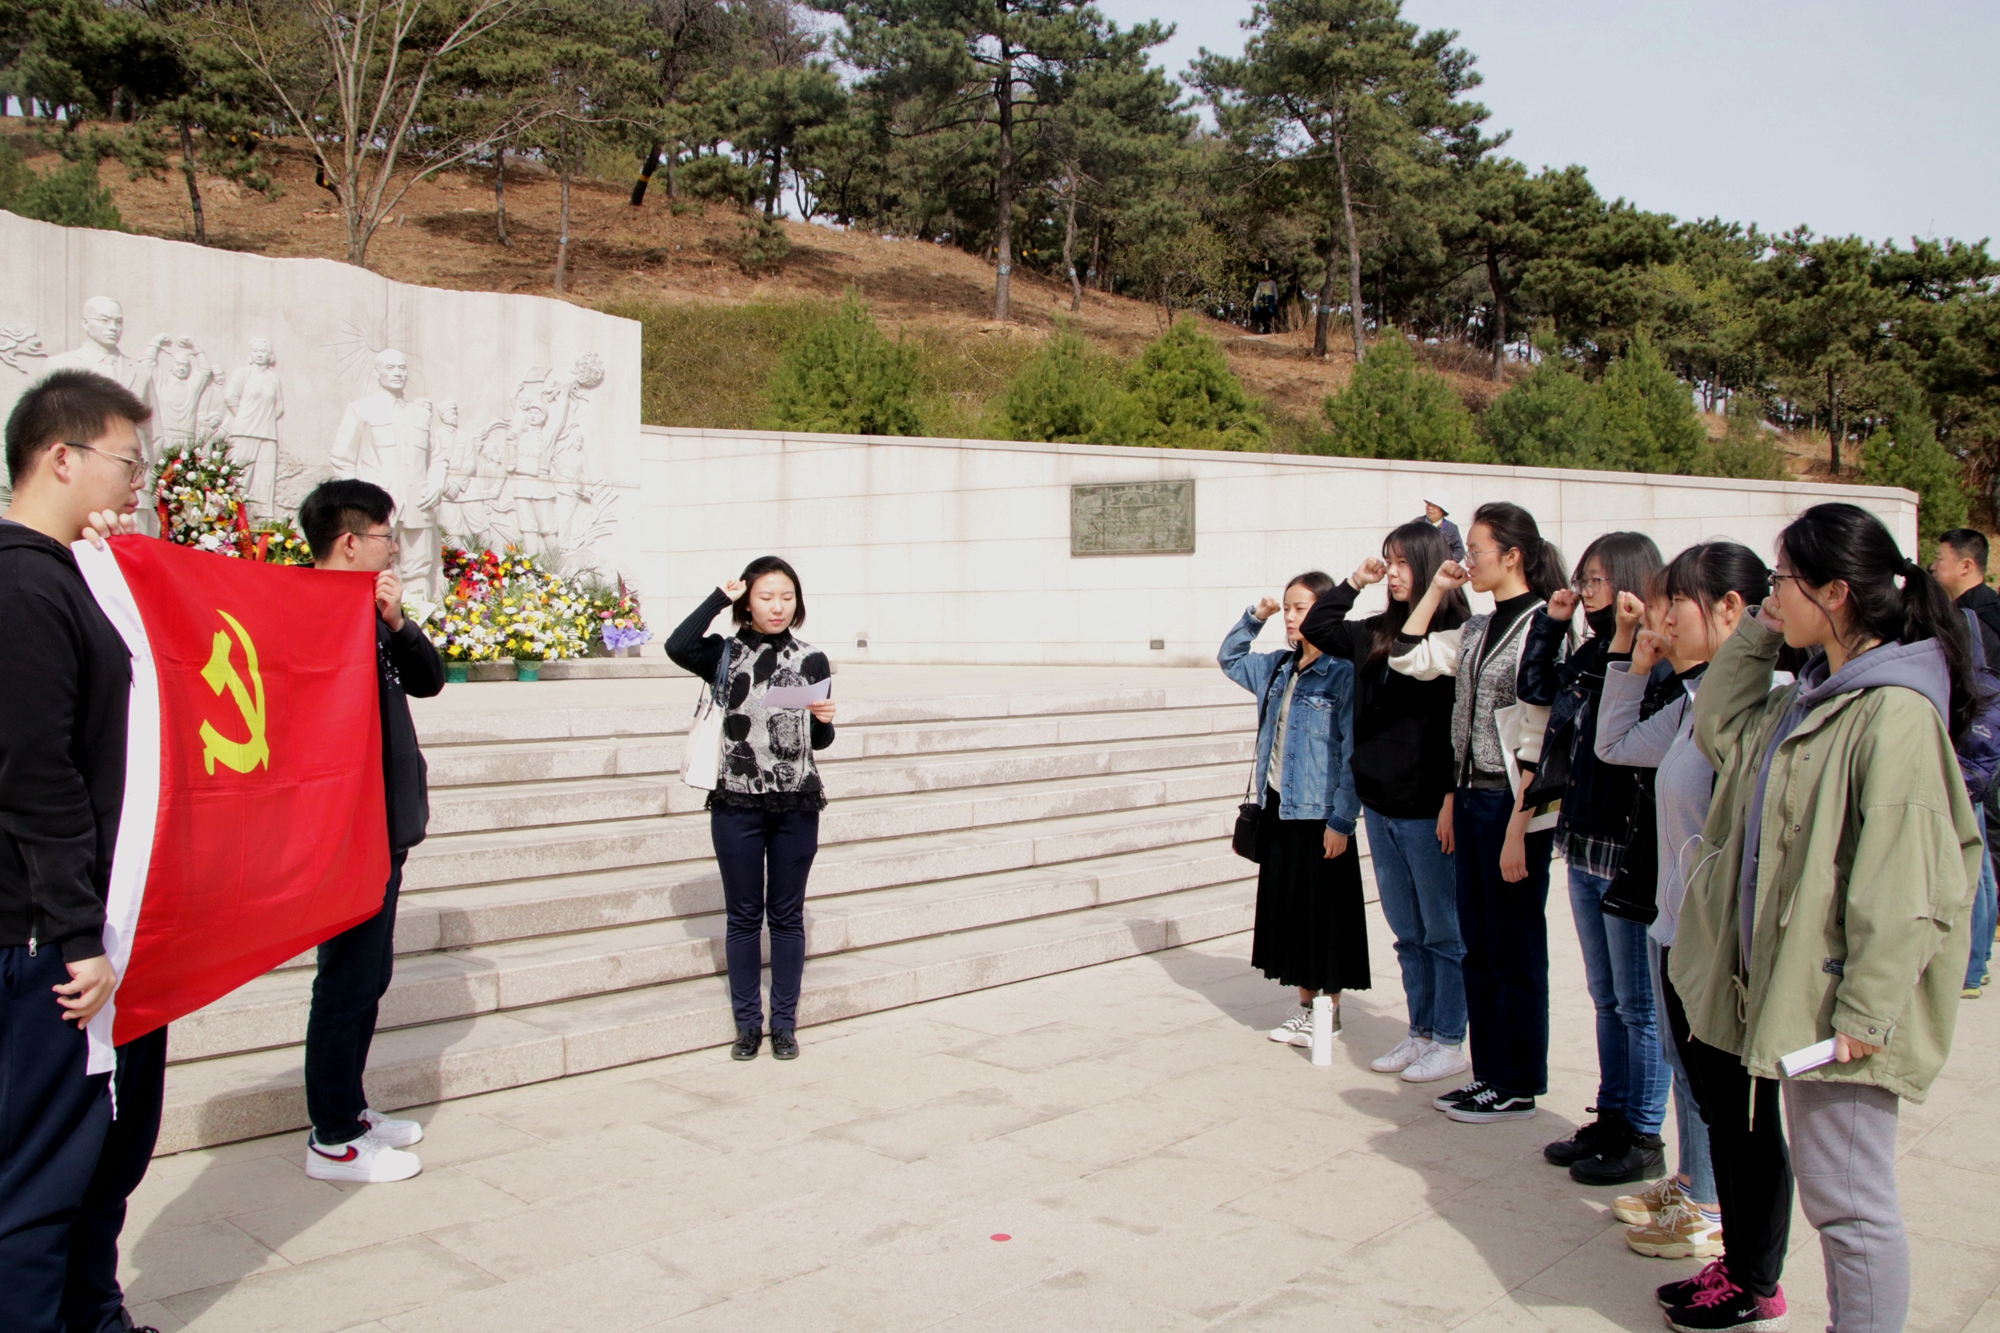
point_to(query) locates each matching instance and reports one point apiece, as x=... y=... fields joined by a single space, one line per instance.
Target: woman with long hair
x=1831 y=904
x=1502 y=868
x=1403 y=776
x=764 y=812
x=1646 y=721
x=1623 y=1144
x=1311 y=926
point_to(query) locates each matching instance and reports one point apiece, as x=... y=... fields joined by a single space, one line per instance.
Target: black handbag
x=1243 y=841
x=1634 y=894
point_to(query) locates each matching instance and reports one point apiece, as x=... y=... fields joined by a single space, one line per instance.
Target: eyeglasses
x=1475 y=553
x=134 y=467
x=388 y=537
x=1775 y=577
x=1585 y=587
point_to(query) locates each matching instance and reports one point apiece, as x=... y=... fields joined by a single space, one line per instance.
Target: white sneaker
x=1440 y=1061
x=1404 y=1054
x=387 y=1129
x=1296 y=1030
x=367 y=1161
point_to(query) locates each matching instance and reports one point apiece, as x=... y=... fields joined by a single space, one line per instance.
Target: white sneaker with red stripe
x=365 y=1161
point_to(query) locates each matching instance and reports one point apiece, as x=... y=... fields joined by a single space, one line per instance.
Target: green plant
x=1395 y=408
x=1069 y=391
x=15 y=175
x=1908 y=454
x=1650 y=422
x=1745 y=451
x=68 y=196
x=1551 y=419
x=845 y=377
x=1188 y=396
x=761 y=244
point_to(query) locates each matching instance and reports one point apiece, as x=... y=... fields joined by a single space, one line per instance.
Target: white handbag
x=701 y=760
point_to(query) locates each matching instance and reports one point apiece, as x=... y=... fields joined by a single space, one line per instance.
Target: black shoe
x=784 y=1045
x=1606 y=1134
x=1490 y=1104
x=1644 y=1158
x=1444 y=1101
x=748 y=1039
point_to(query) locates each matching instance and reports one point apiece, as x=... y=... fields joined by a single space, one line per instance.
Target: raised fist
x=1451 y=575
x=1371 y=570
x=1267 y=607
x=1563 y=605
x=732 y=588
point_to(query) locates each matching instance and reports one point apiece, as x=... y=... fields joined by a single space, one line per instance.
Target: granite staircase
x=565 y=913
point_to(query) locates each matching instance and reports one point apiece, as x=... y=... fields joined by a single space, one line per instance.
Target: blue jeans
x=1692 y=1130
x=1631 y=1070
x=1419 y=891
x=1984 y=912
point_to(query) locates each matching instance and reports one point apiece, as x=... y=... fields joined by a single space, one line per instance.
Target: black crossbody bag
x=1244 y=840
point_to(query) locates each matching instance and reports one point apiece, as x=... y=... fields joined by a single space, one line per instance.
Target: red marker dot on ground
x=1001 y=1235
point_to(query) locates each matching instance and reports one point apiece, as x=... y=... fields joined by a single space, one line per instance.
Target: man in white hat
x=1437 y=508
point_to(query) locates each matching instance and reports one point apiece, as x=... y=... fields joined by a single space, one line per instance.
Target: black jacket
x=407 y=666
x=62 y=748
x=1599 y=797
x=1402 y=726
x=1984 y=603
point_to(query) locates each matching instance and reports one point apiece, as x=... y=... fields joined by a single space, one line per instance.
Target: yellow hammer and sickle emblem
x=220 y=673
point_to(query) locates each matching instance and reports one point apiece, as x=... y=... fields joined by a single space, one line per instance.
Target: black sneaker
x=748 y=1039
x=1645 y=1157
x=1491 y=1103
x=1607 y=1133
x=784 y=1044
x=1444 y=1101
x=1721 y=1306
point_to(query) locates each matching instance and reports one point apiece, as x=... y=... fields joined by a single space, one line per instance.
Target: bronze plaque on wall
x=1132 y=518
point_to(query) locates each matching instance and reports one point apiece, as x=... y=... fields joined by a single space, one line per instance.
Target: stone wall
x=530 y=405
x=961 y=550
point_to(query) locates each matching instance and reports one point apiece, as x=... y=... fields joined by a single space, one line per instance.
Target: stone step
x=484 y=857
x=246 y=1095
x=440 y=986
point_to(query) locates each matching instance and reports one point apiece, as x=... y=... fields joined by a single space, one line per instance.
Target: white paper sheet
x=797 y=696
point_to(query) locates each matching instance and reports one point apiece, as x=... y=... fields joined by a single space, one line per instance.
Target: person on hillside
x=1646 y=721
x=763 y=815
x=1403 y=775
x=1623 y=1144
x=1960 y=567
x=347 y=523
x=1437 y=510
x=1502 y=867
x=67 y=1161
x=1311 y=925
x=1832 y=903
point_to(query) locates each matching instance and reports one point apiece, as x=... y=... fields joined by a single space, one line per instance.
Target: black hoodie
x=62 y=748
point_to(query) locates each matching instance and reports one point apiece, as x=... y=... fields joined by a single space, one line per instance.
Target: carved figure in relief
x=386 y=438
x=103 y=326
x=18 y=340
x=255 y=400
x=179 y=391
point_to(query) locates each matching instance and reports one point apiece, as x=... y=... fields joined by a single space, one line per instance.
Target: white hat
x=1442 y=499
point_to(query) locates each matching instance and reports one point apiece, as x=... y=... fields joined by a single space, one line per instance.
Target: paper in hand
x=797 y=696
x=1810 y=1057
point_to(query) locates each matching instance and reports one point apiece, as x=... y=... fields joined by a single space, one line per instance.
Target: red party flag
x=253 y=824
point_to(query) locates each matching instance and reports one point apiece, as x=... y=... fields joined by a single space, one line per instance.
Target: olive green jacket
x=1869 y=858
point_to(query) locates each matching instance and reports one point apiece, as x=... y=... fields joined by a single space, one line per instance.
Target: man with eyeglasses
x=66 y=1164
x=349 y=525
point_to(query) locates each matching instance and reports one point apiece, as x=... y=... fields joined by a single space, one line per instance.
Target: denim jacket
x=1319 y=740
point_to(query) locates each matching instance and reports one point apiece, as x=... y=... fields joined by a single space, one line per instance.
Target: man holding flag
x=347 y=524
x=66 y=1168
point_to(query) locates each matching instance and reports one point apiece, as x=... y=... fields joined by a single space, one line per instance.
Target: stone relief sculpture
x=16 y=341
x=179 y=391
x=254 y=400
x=385 y=438
x=103 y=327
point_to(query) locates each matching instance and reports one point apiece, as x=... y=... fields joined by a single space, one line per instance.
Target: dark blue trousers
x=354 y=971
x=53 y=1119
x=93 y=1302
x=765 y=856
x=1506 y=932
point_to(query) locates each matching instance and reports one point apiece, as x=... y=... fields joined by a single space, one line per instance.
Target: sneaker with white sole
x=1440 y=1061
x=1296 y=1030
x=1401 y=1056
x=1491 y=1104
x=388 y=1129
x=1638 y=1210
x=1444 y=1101
x=1680 y=1232
x=365 y=1161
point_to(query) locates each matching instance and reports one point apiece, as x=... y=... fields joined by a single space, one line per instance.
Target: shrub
x=1551 y=419
x=1908 y=454
x=844 y=377
x=761 y=244
x=1650 y=422
x=14 y=174
x=1745 y=451
x=1189 y=398
x=1394 y=408
x=69 y=196
x=1071 y=392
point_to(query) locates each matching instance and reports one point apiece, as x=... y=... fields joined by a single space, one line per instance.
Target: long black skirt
x=1312 y=930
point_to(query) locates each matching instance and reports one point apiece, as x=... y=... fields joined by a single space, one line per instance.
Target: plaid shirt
x=1593 y=856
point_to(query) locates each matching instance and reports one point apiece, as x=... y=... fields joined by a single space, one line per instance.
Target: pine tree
x=1744 y=451
x=1908 y=454
x=1650 y=422
x=844 y=377
x=1551 y=419
x=1071 y=392
x=1394 y=408
x=1190 y=398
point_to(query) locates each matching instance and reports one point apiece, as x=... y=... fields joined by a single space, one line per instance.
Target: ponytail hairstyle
x=1423 y=548
x=1514 y=528
x=1707 y=572
x=1845 y=542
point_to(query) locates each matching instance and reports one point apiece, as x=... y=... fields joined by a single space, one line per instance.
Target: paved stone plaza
x=1156 y=1162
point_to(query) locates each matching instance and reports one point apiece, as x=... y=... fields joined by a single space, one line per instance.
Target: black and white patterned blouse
x=767 y=754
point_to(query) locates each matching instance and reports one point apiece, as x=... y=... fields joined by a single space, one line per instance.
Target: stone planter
x=457 y=673
x=525 y=670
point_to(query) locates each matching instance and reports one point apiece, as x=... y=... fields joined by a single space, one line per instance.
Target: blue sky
x=1845 y=116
